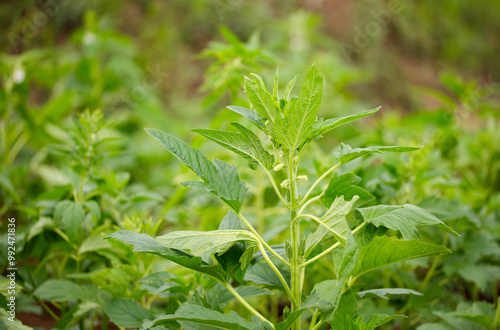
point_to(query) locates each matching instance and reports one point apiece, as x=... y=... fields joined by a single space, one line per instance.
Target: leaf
x=342 y=318
x=347 y=153
x=289 y=87
x=126 y=312
x=262 y=101
x=383 y=251
x=223 y=296
x=264 y=157
x=71 y=215
x=219 y=177
x=202 y=315
x=481 y=312
x=245 y=143
x=261 y=273
x=382 y=293
x=276 y=84
x=231 y=221
x=335 y=220
x=211 y=242
x=145 y=243
x=345 y=259
x=294 y=128
x=322 y=127
x=345 y=185
x=376 y=320
x=58 y=290
x=404 y=218
x=94 y=242
x=325 y=296
x=251 y=115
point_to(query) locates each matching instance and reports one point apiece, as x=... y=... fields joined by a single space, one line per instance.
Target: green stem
x=276 y=189
x=331 y=248
x=246 y=304
x=252 y=229
x=44 y=306
x=295 y=238
x=278 y=273
x=313 y=319
x=333 y=168
x=306 y=204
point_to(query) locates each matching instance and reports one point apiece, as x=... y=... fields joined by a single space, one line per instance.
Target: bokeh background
x=434 y=66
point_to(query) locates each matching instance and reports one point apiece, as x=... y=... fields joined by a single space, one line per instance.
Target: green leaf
x=342 y=318
x=289 y=87
x=347 y=153
x=346 y=257
x=251 y=115
x=211 y=242
x=261 y=273
x=145 y=243
x=375 y=321
x=71 y=215
x=222 y=296
x=383 y=251
x=335 y=220
x=325 y=296
x=245 y=143
x=205 y=316
x=322 y=127
x=345 y=185
x=126 y=312
x=481 y=312
x=58 y=290
x=294 y=128
x=94 y=242
x=263 y=102
x=404 y=218
x=219 y=177
x=276 y=84
x=382 y=293
x=232 y=222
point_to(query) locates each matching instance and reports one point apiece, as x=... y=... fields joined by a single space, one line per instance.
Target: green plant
x=291 y=124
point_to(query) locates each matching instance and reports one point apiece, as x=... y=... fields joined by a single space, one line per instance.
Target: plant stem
x=278 y=273
x=276 y=189
x=333 y=168
x=54 y=316
x=331 y=248
x=252 y=229
x=313 y=319
x=306 y=204
x=295 y=238
x=245 y=303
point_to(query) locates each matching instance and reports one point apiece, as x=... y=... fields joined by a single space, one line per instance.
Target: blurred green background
x=174 y=65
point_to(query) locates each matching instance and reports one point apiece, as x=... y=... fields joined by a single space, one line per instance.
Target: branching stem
x=246 y=304
x=333 y=168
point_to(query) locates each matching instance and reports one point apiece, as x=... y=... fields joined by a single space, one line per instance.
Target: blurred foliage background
x=174 y=65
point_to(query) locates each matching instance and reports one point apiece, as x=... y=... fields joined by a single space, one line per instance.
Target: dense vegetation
x=309 y=211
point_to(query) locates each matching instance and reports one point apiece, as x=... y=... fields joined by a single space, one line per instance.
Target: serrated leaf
x=145 y=243
x=335 y=219
x=260 y=273
x=211 y=242
x=294 y=128
x=403 y=218
x=201 y=315
x=245 y=143
x=262 y=101
x=347 y=153
x=326 y=297
x=343 y=317
x=384 y=250
x=71 y=215
x=382 y=293
x=345 y=185
x=219 y=177
x=251 y=115
x=289 y=87
x=126 y=312
x=322 y=127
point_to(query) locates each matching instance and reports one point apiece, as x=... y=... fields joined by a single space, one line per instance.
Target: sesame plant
x=348 y=235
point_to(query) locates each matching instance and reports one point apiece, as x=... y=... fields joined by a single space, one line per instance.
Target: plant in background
x=236 y=254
